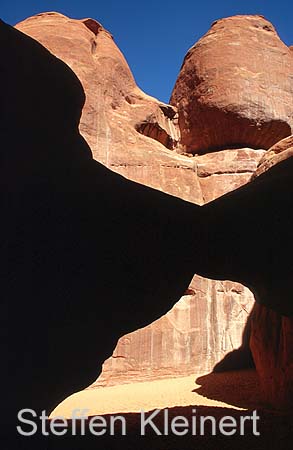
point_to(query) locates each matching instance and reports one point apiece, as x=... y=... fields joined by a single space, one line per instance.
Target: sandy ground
x=218 y=395
x=236 y=390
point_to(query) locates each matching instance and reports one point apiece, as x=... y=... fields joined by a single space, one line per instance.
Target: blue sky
x=154 y=35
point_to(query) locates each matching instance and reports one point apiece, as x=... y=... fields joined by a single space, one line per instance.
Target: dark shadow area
x=238 y=388
x=87 y=256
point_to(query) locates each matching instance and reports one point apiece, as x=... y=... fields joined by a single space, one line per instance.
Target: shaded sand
x=237 y=390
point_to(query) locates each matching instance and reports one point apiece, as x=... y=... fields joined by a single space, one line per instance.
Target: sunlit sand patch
x=236 y=390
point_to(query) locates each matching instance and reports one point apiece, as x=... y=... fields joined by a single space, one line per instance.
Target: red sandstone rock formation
x=200 y=329
x=277 y=153
x=271 y=343
x=235 y=88
x=279 y=147
x=127 y=130
x=225 y=170
x=271 y=339
x=224 y=101
x=115 y=116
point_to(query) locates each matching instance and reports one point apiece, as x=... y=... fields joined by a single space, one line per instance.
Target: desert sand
x=218 y=395
x=236 y=390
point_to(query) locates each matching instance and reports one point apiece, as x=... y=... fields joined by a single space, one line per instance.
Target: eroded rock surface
x=223 y=171
x=235 y=87
x=133 y=133
x=271 y=339
x=271 y=343
x=277 y=153
x=200 y=329
x=227 y=100
x=128 y=131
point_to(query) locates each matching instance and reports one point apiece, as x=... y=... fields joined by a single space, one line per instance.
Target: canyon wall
x=231 y=102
